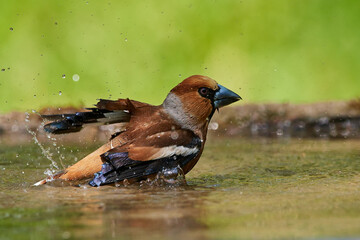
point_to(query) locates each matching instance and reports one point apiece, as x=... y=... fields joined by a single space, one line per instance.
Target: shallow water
x=240 y=189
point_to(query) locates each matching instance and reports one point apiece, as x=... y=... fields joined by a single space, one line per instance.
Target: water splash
x=46 y=152
x=168 y=177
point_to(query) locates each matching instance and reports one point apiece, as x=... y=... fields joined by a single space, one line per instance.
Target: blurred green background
x=267 y=51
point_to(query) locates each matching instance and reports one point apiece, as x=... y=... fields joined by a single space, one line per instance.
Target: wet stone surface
x=332 y=120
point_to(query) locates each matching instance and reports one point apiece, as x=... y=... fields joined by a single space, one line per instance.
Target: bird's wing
x=105 y=112
x=120 y=104
x=145 y=157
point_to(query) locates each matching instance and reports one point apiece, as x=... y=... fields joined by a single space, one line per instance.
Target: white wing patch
x=174 y=150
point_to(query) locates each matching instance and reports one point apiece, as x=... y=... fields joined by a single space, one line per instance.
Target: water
x=240 y=189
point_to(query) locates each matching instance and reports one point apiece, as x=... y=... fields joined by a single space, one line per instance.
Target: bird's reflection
x=140 y=211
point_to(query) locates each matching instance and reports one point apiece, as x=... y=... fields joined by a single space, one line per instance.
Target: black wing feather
x=119 y=167
x=67 y=123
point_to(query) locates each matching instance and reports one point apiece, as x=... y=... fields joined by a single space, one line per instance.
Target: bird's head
x=195 y=99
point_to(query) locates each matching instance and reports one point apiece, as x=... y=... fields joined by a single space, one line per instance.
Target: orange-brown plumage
x=154 y=138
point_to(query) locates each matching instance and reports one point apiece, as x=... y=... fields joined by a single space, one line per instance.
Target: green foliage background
x=265 y=50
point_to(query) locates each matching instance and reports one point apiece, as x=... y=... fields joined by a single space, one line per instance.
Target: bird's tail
x=42 y=182
x=49 y=179
x=67 y=123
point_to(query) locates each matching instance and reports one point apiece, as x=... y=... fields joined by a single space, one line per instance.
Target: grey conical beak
x=225 y=97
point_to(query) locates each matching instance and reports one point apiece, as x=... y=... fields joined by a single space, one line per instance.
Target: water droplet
x=213 y=126
x=174 y=135
x=206 y=68
x=56 y=23
x=179 y=75
x=126 y=182
x=63 y=76
x=34 y=95
x=3 y=69
x=60 y=93
x=11 y=29
x=27 y=116
x=75 y=77
x=125 y=39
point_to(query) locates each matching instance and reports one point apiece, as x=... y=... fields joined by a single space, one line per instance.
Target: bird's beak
x=225 y=97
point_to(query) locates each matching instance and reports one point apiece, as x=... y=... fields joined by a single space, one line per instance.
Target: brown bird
x=155 y=138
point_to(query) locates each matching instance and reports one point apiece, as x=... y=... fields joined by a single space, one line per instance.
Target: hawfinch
x=155 y=138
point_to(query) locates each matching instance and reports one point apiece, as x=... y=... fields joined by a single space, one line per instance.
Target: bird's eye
x=204 y=91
